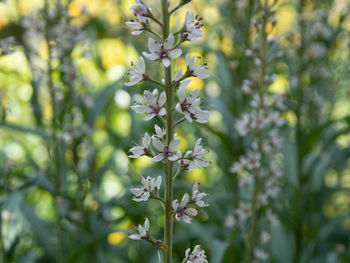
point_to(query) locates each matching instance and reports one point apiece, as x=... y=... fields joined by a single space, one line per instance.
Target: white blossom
x=243 y=124
x=137 y=74
x=165 y=152
x=271 y=217
x=271 y=189
x=230 y=221
x=153 y=105
x=253 y=160
x=149 y=187
x=196 y=256
x=197 y=196
x=260 y=254
x=247 y=87
x=245 y=181
x=275 y=119
x=143 y=149
x=257 y=102
x=162 y=52
x=196 y=156
x=160 y=133
x=178 y=76
x=265 y=237
x=140 y=9
x=244 y=211
x=139 y=24
x=239 y=166
x=258 y=120
x=184 y=163
x=143 y=231
x=196 y=69
x=189 y=106
x=192 y=27
x=182 y=212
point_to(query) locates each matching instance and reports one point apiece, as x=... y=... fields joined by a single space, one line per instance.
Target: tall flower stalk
x=163 y=50
x=259 y=169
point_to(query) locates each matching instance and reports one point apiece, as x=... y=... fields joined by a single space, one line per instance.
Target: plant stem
x=168 y=224
x=298 y=140
x=54 y=143
x=2 y=246
x=255 y=207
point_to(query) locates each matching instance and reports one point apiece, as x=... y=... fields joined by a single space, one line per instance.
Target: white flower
x=239 y=166
x=140 y=9
x=137 y=74
x=192 y=27
x=258 y=120
x=244 y=211
x=196 y=69
x=196 y=155
x=230 y=221
x=197 y=255
x=257 y=102
x=184 y=163
x=153 y=106
x=279 y=101
x=245 y=181
x=140 y=24
x=247 y=87
x=271 y=189
x=260 y=254
x=243 y=125
x=143 y=231
x=271 y=217
x=253 y=160
x=162 y=52
x=178 y=76
x=149 y=187
x=265 y=237
x=138 y=150
x=189 y=106
x=197 y=196
x=181 y=211
x=276 y=169
x=165 y=152
x=275 y=119
x=160 y=133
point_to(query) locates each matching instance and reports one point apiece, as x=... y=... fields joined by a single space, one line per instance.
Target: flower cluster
x=162 y=146
x=196 y=256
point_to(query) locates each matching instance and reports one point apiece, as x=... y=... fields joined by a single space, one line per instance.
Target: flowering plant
x=163 y=145
x=259 y=169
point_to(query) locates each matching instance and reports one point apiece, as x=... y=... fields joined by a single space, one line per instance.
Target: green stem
x=175 y=9
x=154 y=33
x=298 y=140
x=154 y=81
x=2 y=246
x=255 y=207
x=177 y=173
x=159 y=199
x=54 y=127
x=168 y=224
x=152 y=17
x=180 y=121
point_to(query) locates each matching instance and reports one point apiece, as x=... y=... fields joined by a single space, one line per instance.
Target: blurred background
x=66 y=128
